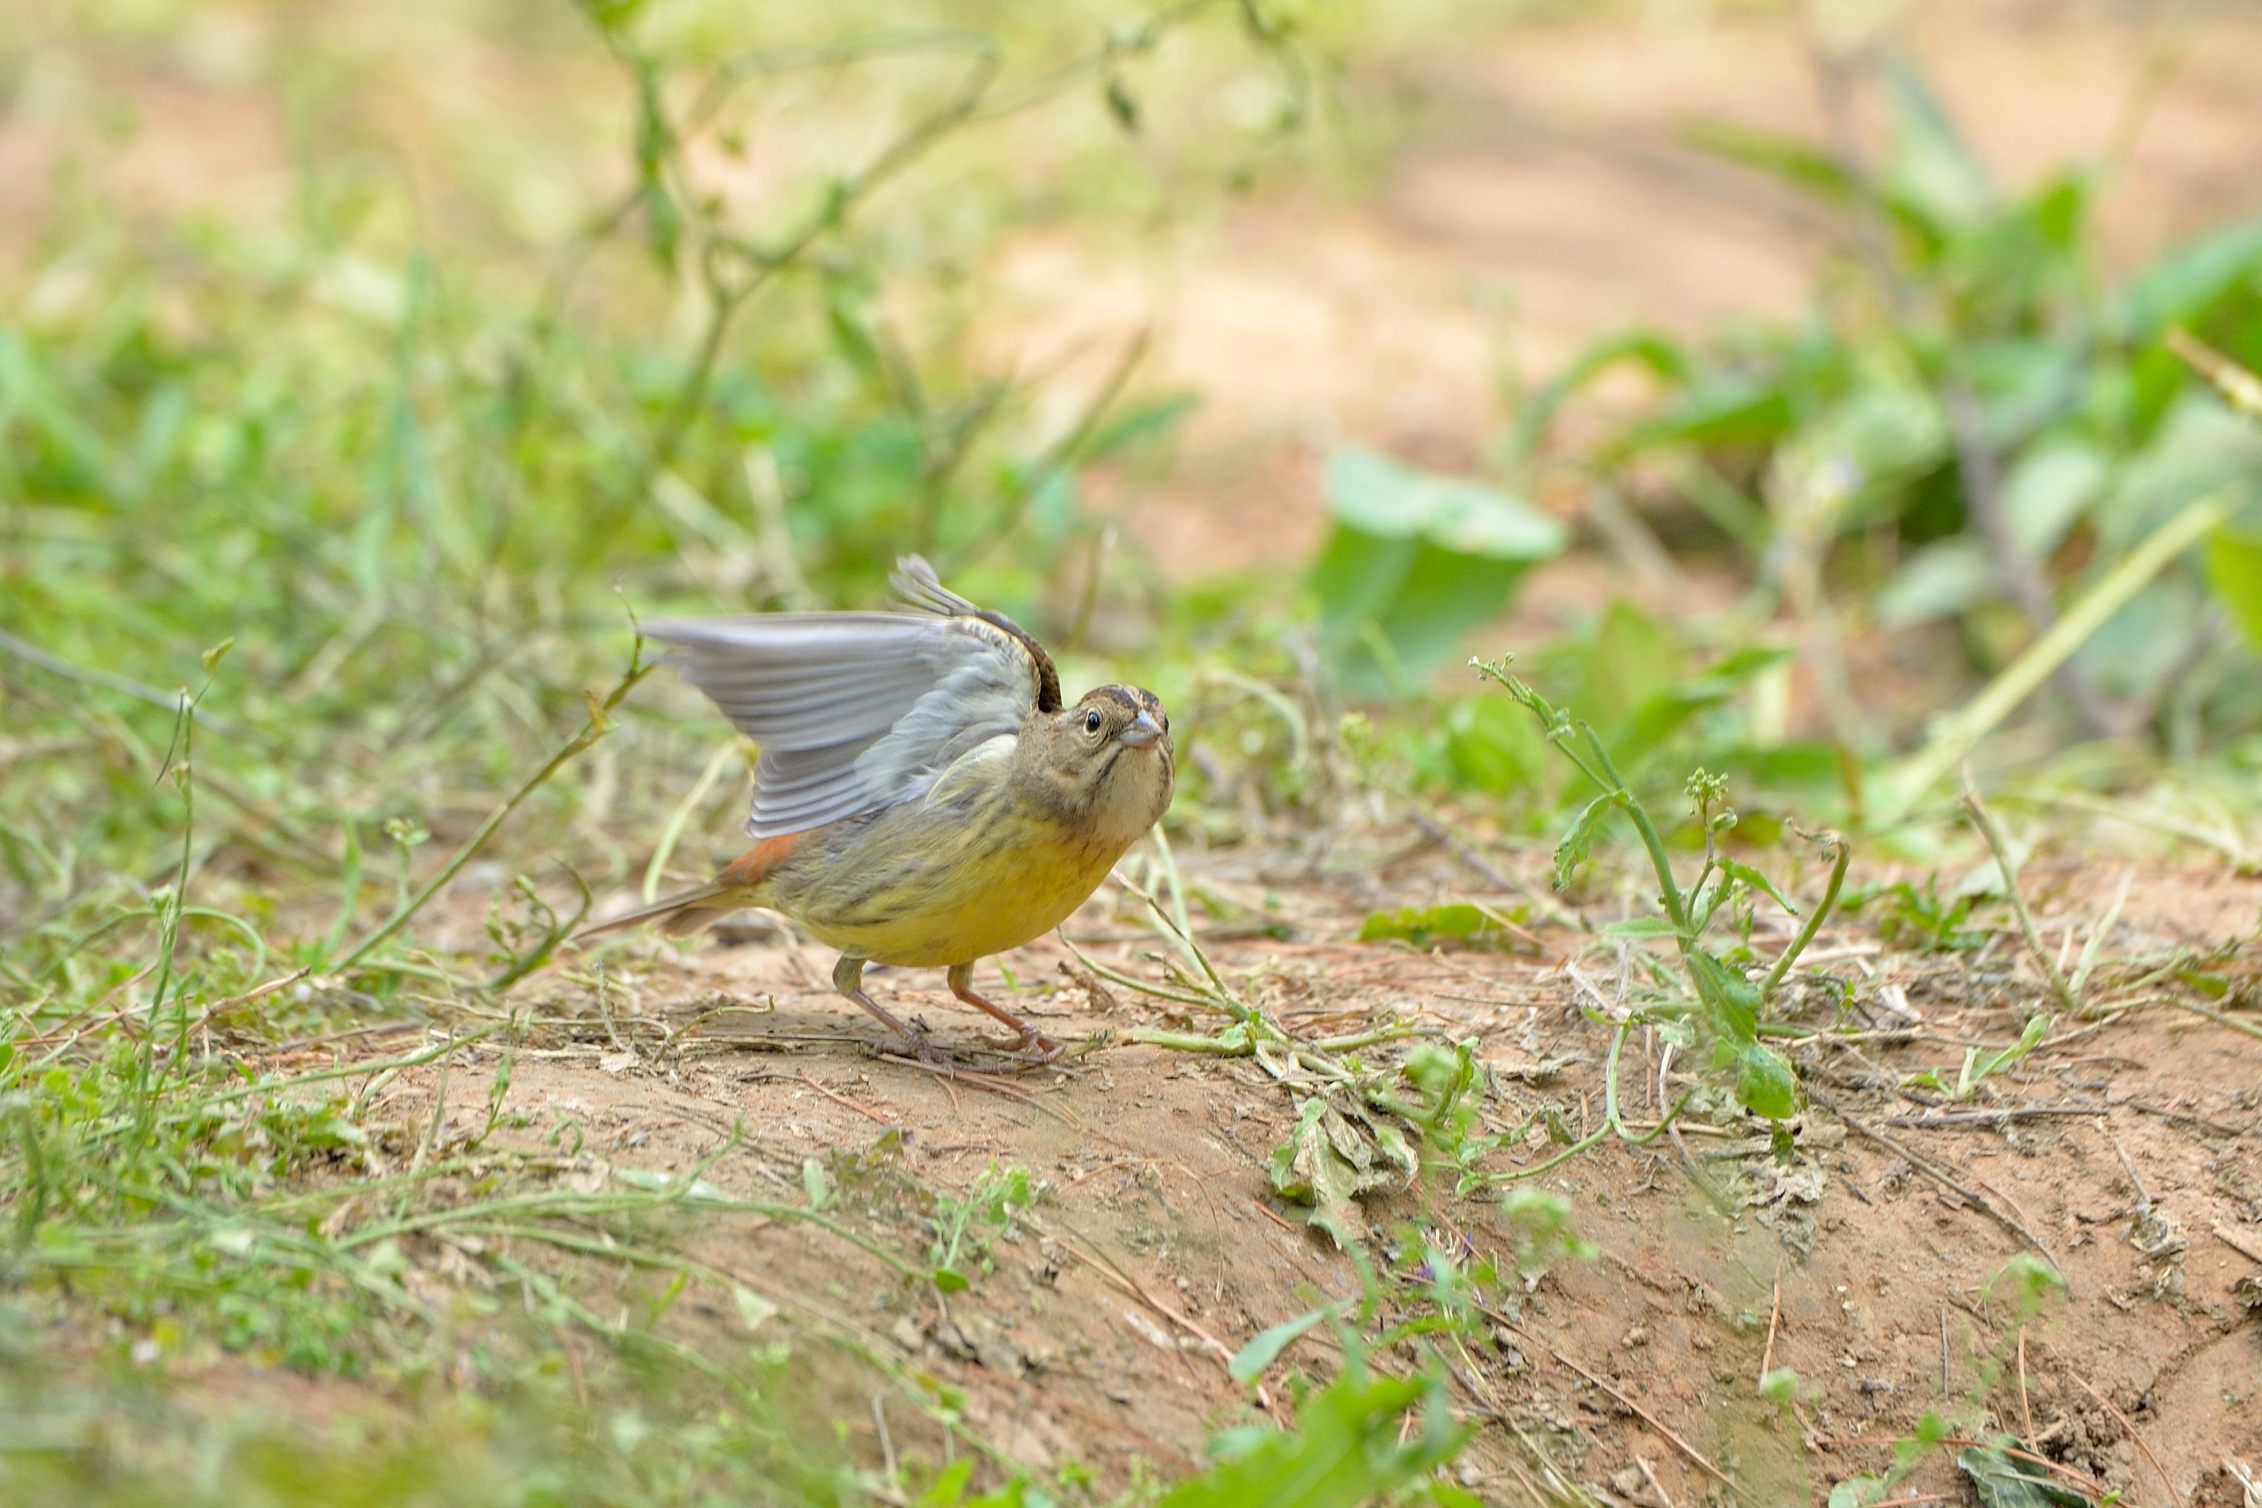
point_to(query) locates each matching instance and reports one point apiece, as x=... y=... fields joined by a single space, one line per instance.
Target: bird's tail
x=680 y=914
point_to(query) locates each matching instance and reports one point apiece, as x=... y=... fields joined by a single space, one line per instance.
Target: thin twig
x=2123 y=1420
x=2217 y=1017
x=2237 y=1245
x=2000 y=847
x=1767 y=1352
x=2008 y=1219
x=1639 y=1412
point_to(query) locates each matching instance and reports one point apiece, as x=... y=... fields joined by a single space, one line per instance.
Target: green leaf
x=1765 y=1084
x=1249 y=1363
x=2234 y=574
x=1930 y=164
x=1388 y=499
x=1414 y=562
x=1758 y=882
x=949 y=1280
x=2004 y=1481
x=1327 y=1162
x=1578 y=843
x=1641 y=927
x=1940 y=580
x=1732 y=1000
x=1346 y=1451
x=1491 y=745
x=1418 y=924
x=2048 y=489
x=1724 y=414
x=2179 y=287
x=1644 y=348
x=1664 y=714
x=1858 y=1492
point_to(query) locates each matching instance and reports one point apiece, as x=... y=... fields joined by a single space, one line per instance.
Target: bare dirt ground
x=2127 y=1152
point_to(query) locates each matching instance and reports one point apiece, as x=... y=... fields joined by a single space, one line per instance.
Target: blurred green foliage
x=1973 y=422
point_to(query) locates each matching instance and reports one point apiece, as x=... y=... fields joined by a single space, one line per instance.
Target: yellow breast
x=918 y=892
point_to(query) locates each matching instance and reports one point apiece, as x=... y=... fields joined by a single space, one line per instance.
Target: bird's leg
x=848 y=978
x=961 y=979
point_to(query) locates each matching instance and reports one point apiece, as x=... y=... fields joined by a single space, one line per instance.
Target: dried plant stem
x=2239 y=386
x=1962 y=730
x=2000 y=847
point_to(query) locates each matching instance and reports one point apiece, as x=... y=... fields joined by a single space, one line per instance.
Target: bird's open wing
x=856 y=711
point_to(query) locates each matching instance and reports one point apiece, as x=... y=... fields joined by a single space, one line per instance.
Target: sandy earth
x=2126 y=1152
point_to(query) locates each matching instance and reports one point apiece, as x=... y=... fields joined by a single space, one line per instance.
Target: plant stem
x=1843 y=855
x=1997 y=844
x=2015 y=682
x=1610 y=1121
x=1676 y=909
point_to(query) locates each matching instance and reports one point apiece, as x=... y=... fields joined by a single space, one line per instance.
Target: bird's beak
x=1141 y=731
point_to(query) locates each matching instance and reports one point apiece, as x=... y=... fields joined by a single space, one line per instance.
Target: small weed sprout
x=1728 y=1003
x=1541 y=1220
x=965 y=1225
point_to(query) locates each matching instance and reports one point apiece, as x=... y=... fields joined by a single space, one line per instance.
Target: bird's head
x=1109 y=763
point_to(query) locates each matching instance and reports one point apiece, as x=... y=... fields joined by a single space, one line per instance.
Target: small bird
x=922 y=799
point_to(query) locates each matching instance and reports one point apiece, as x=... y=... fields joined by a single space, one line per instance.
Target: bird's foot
x=1032 y=1045
x=1028 y=1042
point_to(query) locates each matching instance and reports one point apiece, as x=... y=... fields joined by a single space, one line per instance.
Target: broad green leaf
x=1858 y=1492
x=1725 y=414
x=2004 y=1481
x=1415 y=561
x=1765 y=1084
x=1885 y=429
x=1418 y=924
x=1943 y=579
x=1732 y=999
x=1350 y=1448
x=2234 y=574
x=2181 y=285
x=1630 y=658
x=1929 y=162
x=1388 y=499
x=1578 y=843
x=1490 y=744
x=1663 y=715
x=2048 y=488
x=1661 y=357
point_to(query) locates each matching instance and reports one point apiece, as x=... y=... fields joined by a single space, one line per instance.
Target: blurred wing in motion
x=856 y=711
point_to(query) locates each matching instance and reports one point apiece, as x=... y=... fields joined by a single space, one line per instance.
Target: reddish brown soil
x=2128 y=1149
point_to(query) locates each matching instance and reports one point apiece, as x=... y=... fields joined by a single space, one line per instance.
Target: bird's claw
x=1029 y=1043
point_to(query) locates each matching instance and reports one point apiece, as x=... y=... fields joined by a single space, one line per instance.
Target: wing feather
x=856 y=711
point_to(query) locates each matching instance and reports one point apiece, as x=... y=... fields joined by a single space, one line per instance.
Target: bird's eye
x=1166 y=722
x=1092 y=721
